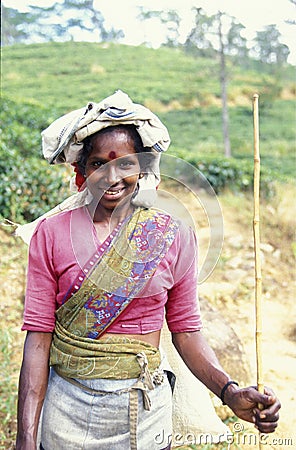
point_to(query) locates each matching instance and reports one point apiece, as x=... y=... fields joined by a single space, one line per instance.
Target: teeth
x=112 y=192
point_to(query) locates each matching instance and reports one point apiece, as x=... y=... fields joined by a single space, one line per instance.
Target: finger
x=267 y=415
x=268 y=395
x=267 y=400
x=268 y=391
x=269 y=411
x=266 y=427
x=264 y=410
x=274 y=417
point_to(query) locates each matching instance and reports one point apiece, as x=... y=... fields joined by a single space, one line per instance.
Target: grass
x=12 y=278
x=50 y=71
x=184 y=91
x=199 y=133
x=8 y=390
x=139 y=71
x=10 y=347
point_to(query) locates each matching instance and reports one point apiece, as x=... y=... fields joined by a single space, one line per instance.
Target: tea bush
x=236 y=175
x=29 y=186
x=229 y=173
x=21 y=124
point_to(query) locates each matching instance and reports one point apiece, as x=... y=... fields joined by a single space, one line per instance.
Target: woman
x=100 y=277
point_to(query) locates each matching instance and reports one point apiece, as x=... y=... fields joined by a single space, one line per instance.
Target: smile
x=118 y=191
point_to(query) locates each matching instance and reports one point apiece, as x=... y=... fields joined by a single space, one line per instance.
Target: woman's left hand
x=203 y=363
x=244 y=403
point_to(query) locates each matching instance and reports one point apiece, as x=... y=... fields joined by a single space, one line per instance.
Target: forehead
x=114 y=142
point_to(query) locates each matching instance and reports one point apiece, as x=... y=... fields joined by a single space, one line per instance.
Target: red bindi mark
x=112 y=155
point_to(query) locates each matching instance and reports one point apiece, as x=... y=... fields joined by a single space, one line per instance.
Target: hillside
x=184 y=91
x=64 y=75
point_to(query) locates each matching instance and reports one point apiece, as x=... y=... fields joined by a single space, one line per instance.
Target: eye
x=97 y=164
x=126 y=163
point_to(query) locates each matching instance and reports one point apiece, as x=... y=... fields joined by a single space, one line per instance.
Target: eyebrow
x=104 y=160
x=97 y=158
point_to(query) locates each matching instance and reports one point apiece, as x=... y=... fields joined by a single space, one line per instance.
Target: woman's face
x=112 y=168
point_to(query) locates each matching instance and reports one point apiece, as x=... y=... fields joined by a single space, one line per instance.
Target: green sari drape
x=78 y=348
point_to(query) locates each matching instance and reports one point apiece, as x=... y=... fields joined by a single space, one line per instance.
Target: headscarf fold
x=62 y=142
x=63 y=139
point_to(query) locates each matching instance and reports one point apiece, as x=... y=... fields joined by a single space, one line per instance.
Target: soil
x=229 y=289
x=278 y=314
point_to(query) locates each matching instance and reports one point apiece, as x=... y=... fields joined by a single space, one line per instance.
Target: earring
x=141 y=175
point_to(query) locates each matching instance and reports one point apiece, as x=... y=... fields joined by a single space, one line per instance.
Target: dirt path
x=231 y=290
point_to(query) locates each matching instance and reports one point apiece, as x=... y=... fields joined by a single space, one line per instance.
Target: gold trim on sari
x=78 y=349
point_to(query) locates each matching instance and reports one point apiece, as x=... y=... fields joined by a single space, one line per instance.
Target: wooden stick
x=256 y=231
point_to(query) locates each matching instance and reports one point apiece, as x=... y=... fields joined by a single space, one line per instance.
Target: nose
x=112 y=175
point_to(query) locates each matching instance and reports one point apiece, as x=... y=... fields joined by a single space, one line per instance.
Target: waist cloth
x=100 y=413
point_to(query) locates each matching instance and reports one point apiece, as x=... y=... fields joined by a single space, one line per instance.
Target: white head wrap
x=62 y=142
x=63 y=139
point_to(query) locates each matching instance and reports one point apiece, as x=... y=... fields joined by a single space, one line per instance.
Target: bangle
x=224 y=390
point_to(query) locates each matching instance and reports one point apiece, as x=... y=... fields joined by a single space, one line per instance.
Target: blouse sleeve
x=40 y=299
x=182 y=308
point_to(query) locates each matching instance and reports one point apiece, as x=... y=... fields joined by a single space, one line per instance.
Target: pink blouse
x=63 y=244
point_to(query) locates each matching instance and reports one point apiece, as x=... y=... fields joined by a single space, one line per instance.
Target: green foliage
x=229 y=173
x=14 y=26
x=268 y=46
x=56 y=22
x=45 y=81
x=28 y=187
x=197 y=135
x=59 y=23
x=21 y=124
x=49 y=72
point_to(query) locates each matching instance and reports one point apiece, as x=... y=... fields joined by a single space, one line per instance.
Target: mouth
x=113 y=192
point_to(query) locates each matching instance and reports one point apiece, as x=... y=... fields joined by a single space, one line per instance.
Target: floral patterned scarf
x=118 y=276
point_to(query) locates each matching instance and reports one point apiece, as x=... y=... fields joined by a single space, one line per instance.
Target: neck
x=105 y=216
